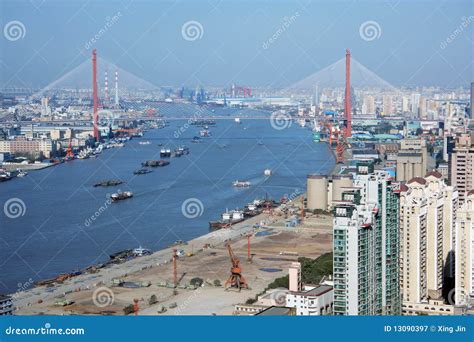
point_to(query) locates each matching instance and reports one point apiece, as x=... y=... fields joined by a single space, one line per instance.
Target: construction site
x=205 y=276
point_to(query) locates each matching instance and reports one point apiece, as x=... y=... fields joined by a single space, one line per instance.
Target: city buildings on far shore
x=22 y=146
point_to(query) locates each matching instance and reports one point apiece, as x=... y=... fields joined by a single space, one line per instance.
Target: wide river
x=54 y=235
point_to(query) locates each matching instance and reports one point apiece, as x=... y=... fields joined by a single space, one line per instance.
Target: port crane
x=236 y=279
x=69 y=151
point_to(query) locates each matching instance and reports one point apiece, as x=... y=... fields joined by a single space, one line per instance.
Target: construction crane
x=249 y=256
x=69 y=151
x=236 y=279
x=175 y=268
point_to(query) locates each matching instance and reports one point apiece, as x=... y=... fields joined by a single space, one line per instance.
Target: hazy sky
x=415 y=42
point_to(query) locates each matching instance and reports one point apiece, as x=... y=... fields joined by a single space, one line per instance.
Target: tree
x=217 y=283
x=153 y=300
x=128 y=309
x=196 y=281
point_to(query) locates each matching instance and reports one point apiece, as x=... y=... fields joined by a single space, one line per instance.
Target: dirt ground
x=310 y=239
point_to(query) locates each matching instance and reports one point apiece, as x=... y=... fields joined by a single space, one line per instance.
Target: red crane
x=236 y=279
x=69 y=151
x=175 y=268
x=249 y=256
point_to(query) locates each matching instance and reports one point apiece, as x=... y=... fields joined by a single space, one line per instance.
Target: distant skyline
x=256 y=43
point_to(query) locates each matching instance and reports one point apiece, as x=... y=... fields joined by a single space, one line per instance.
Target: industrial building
x=323 y=191
x=411 y=159
x=366 y=225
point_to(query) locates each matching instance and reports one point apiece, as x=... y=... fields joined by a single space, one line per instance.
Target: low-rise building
x=27 y=146
x=6 y=305
x=312 y=300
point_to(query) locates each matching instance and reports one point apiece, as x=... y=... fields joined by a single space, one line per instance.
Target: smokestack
x=94 y=90
x=347 y=99
x=116 y=90
x=106 y=90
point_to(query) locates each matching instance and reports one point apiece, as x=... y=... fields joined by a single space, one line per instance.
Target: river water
x=55 y=233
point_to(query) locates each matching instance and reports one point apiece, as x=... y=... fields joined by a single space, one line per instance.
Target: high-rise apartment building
x=427 y=215
x=464 y=261
x=366 y=246
x=415 y=104
x=411 y=159
x=462 y=164
x=387 y=105
x=368 y=104
x=471 y=102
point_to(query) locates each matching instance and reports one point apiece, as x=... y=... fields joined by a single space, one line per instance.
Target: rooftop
x=275 y=311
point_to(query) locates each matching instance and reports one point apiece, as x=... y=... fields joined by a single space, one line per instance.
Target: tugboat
x=228 y=218
x=119 y=196
x=239 y=184
x=141 y=171
x=140 y=251
x=165 y=153
x=107 y=183
x=155 y=163
x=21 y=173
x=204 y=133
x=5 y=175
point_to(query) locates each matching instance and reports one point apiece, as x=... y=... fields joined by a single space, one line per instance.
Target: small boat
x=165 y=153
x=140 y=251
x=144 y=142
x=119 y=196
x=228 y=218
x=21 y=173
x=204 y=133
x=141 y=171
x=237 y=120
x=196 y=139
x=267 y=172
x=240 y=184
x=155 y=163
x=107 y=183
